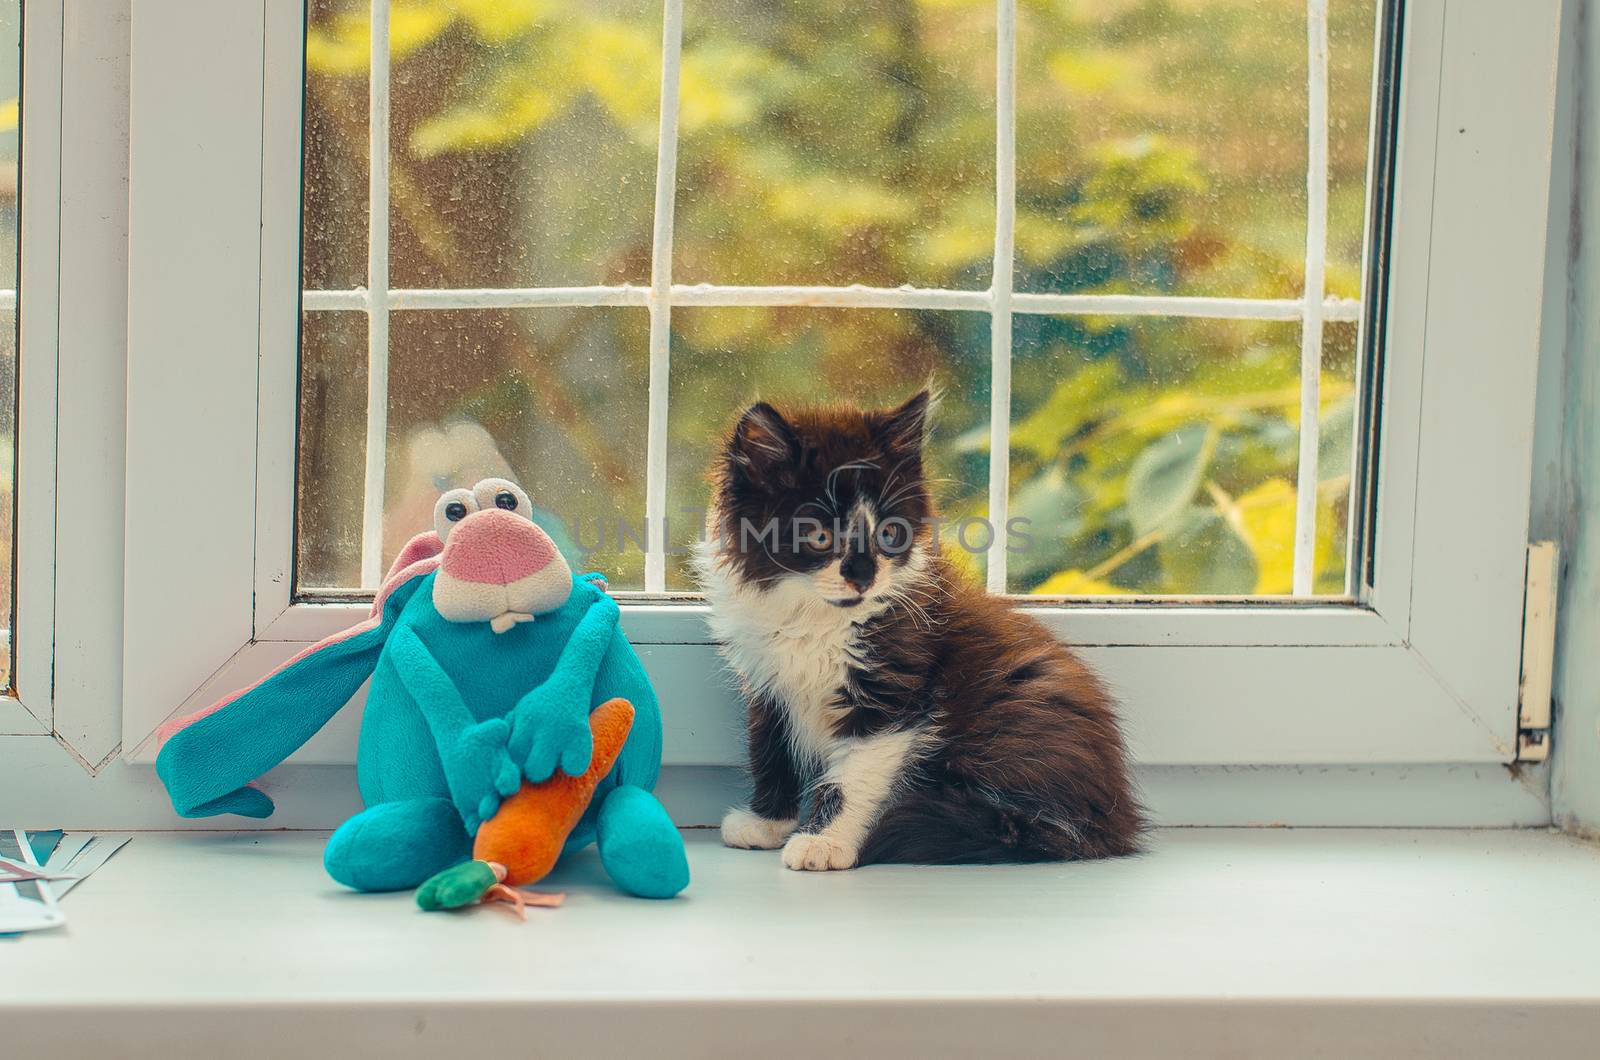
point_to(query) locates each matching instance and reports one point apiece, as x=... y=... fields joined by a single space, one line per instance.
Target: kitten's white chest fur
x=786 y=643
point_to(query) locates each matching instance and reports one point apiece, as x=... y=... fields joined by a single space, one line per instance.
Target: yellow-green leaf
x=496 y=21
x=343 y=46
x=1267 y=513
x=1075 y=583
x=621 y=65
x=1072 y=403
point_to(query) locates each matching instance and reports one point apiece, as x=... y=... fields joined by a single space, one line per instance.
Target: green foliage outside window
x=1161 y=150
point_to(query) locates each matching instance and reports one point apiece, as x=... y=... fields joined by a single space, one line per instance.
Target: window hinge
x=1538 y=652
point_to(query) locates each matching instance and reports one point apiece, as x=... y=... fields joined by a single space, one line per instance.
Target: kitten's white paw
x=807 y=852
x=747 y=831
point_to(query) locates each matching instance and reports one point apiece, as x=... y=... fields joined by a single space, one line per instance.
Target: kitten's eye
x=893 y=536
x=818 y=540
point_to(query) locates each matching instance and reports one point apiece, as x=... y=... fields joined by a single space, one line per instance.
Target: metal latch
x=1538 y=652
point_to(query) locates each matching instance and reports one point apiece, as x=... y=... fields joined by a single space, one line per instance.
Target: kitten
x=920 y=719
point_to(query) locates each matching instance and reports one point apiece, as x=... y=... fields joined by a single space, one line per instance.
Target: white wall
x=1567 y=497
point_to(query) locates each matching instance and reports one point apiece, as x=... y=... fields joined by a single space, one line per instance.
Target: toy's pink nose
x=494 y=547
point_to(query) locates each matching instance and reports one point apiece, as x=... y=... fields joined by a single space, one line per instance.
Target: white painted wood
x=1404 y=340
x=655 y=498
x=377 y=447
x=1344 y=943
x=1004 y=265
x=480 y=298
x=41 y=785
x=32 y=634
x=854 y=296
x=193 y=333
x=1484 y=303
x=1257 y=683
x=91 y=416
x=682 y=620
x=1350 y=704
x=1306 y=478
x=18 y=720
x=278 y=376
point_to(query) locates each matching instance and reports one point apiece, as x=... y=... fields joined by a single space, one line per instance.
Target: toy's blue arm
x=622 y=674
x=550 y=725
x=476 y=766
x=208 y=764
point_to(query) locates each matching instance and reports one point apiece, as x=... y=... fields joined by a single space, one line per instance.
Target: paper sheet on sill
x=62 y=860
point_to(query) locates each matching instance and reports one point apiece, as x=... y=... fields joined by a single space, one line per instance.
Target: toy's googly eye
x=451 y=508
x=503 y=494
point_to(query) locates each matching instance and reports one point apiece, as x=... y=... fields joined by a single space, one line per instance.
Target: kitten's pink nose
x=494 y=547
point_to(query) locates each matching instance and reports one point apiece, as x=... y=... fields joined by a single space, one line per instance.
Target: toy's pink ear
x=421 y=547
x=419 y=557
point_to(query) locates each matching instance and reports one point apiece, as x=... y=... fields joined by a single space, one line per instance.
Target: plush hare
x=486 y=656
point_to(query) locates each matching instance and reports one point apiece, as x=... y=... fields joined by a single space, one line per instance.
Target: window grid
x=377 y=300
x=1305 y=513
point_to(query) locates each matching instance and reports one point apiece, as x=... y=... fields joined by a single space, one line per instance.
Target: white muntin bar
x=1140 y=305
x=1305 y=516
x=854 y=296
x=519 y=298
x=1005 y=208
x=377 y=299
x=655 y=446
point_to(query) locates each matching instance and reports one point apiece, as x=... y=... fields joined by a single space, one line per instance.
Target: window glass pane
x=1161 y=150
x=726 y=359
x=334 y=199
x=552 y=398
x=10 y=174
x=1159 y=456
x=1161 y=145
x=1351 y=25
x=837 y=142
x=330 y=479
x=522 y=138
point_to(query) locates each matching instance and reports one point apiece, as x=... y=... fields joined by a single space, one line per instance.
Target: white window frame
x=68 y=611
x=30 y=710
x=1422 y=670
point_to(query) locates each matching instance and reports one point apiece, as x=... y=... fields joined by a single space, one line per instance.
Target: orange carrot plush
x=521 y=842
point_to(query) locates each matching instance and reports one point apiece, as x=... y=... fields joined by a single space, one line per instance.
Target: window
x=560 y=336
x=10 y=181
x=510 y=249
x=30 y=472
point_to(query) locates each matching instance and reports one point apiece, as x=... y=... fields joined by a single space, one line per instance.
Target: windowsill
x=1469 y=942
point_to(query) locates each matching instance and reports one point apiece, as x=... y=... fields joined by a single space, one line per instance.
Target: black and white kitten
x=917 y=718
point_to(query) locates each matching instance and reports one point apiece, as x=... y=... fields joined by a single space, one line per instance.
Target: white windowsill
x=1220 y=941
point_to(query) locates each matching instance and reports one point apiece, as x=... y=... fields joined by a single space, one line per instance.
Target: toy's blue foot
x=394 y=846
x=639 y=846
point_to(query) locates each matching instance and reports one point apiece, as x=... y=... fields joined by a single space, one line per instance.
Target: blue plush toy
x=486 y=656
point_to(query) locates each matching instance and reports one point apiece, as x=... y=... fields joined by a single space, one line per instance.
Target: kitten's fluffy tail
x=941 y=825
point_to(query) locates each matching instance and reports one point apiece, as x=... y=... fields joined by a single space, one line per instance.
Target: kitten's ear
x=762 y=440
x=903 y=430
